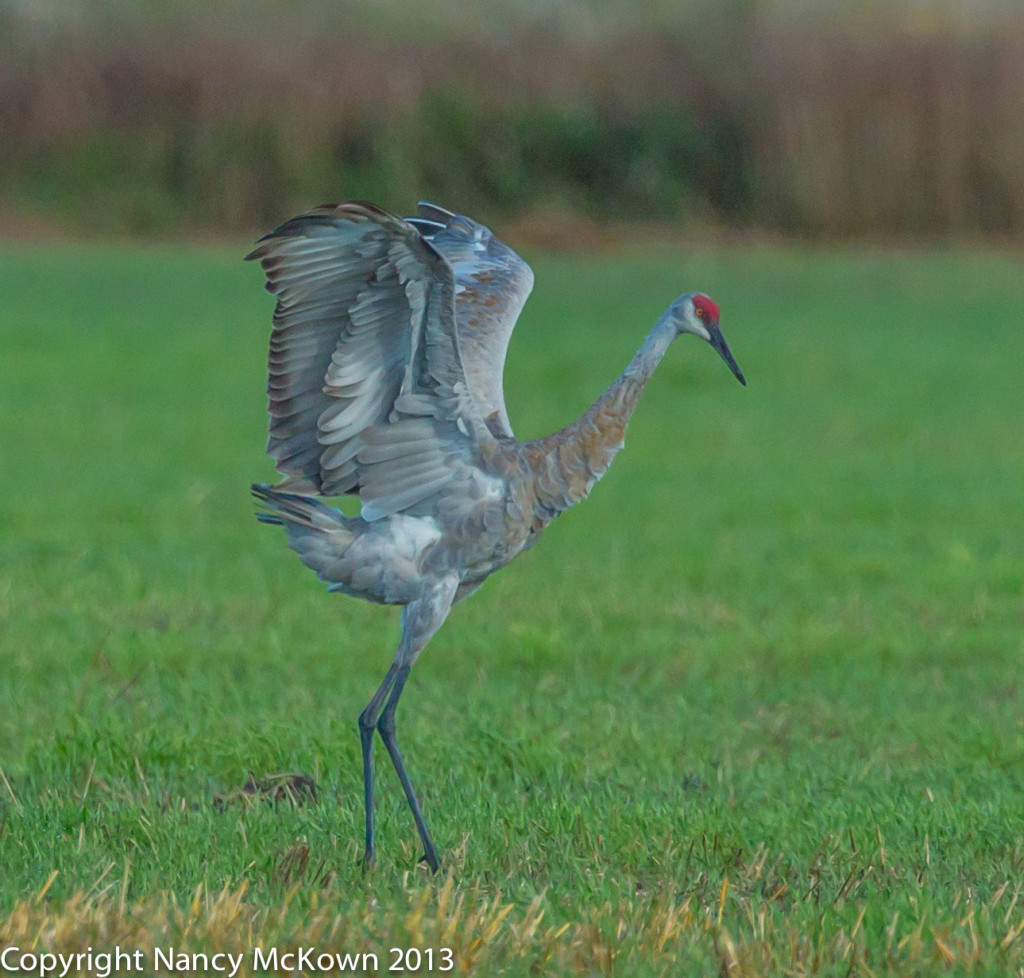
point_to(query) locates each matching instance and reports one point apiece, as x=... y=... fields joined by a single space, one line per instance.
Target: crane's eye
x=698 y=312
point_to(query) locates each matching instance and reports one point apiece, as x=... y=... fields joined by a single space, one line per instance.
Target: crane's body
x=385 y=366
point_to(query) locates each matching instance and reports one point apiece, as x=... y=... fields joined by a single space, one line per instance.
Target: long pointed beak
x=718 y=342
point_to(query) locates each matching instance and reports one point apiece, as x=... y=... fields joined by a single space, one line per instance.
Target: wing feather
x=492 y=283
x=368 y=390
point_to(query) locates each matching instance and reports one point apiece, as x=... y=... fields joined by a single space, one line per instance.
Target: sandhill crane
x=386 y=359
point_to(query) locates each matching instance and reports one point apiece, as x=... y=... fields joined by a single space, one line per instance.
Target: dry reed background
x=897 y=121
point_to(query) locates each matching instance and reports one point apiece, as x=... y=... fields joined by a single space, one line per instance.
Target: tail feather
x=318 y=533
x=290 y=507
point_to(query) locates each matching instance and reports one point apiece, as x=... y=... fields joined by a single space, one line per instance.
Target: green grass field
x=755 y=708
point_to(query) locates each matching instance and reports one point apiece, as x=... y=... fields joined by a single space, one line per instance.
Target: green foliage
x=753 y=707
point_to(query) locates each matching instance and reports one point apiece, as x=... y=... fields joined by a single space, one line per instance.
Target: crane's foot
x=368 y=861
x=430 y=858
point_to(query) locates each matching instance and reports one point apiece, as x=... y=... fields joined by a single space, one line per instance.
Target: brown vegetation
x=828 y=126
x=482 y=933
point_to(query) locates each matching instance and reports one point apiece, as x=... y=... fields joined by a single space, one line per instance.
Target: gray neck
x=581 y=453
x=620 y=399
x=647 y=358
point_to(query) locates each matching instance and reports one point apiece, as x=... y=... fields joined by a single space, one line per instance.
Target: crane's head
x=698 y=314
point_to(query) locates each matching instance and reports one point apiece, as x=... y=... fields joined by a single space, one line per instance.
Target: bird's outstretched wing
x=367 y=390
x=491 y=285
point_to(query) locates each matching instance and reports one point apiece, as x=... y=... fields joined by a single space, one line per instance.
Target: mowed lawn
x=754 y=708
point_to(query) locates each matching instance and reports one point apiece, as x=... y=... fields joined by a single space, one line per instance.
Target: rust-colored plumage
x=385 y=380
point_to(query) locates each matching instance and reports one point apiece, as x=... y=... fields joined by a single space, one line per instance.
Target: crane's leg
x=367 y=725
x=420 y=620
x=386 y=727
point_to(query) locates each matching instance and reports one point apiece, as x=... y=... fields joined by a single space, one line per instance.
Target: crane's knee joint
x=366 y=722
x=386 y=724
